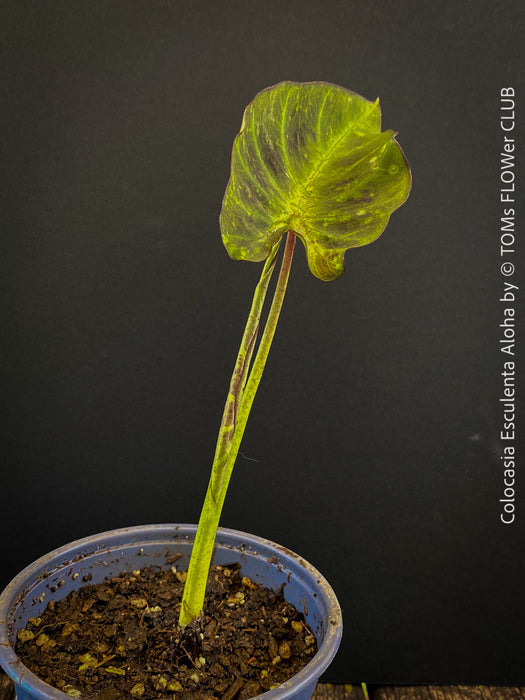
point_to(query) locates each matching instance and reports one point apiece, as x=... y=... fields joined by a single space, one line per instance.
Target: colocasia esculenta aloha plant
x=309 y=162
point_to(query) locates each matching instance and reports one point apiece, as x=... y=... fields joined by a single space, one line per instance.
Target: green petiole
x=243 y=388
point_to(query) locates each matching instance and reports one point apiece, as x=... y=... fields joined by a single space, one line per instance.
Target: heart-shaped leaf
x=311 y=158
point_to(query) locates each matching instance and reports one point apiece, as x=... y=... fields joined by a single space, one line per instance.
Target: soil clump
x=121 y=639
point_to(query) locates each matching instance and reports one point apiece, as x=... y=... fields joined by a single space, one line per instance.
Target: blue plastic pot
x=56 y=574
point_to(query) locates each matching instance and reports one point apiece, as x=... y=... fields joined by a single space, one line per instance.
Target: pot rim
x=112 y=539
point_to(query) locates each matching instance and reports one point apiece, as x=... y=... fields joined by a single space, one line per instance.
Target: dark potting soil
x=121 y=639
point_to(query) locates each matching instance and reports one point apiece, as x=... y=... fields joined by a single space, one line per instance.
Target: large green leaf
x=311 y=158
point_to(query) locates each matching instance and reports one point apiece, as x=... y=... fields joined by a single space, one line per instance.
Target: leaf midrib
x=303 y=189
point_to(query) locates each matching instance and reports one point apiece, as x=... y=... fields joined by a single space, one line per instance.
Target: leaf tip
x=326 y=264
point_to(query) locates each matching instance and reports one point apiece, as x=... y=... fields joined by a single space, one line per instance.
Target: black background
x=373 y=448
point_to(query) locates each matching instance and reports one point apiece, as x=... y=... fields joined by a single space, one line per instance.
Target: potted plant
x=309 y=162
